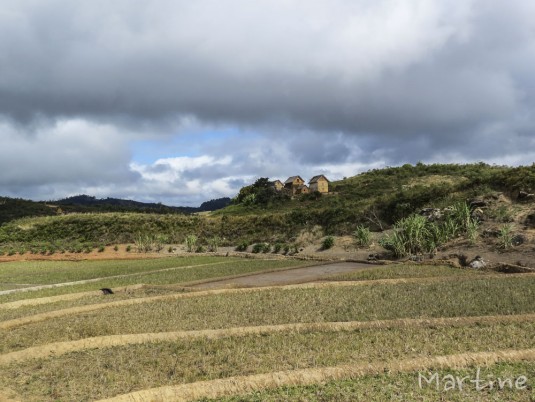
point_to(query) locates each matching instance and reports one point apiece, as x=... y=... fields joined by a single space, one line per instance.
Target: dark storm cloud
x=381 y=67
x=319 y=83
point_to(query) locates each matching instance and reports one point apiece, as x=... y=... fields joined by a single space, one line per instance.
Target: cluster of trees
x=261 y=192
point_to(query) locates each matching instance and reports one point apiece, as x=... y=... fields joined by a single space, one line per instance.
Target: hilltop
x=477 y=204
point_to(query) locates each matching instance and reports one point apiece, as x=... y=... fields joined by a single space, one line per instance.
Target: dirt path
x=246 y=384
x=286 y=277
x=61 y=348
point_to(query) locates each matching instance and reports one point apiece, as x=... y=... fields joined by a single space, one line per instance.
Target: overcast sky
x=184 y=101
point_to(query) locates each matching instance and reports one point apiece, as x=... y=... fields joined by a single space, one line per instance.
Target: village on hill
x=295 y=185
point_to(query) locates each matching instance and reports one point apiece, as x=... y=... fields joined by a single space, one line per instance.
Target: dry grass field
x=366 y=335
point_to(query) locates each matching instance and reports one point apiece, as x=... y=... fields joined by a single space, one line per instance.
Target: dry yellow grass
x=94 y=307
x=59 y=298
x=246 y=384
x=60 y=348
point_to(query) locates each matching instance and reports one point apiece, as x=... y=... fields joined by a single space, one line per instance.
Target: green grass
x=405 y=271
x=9 y=314
x=110 y=371
x=47 y=272
x=359 y=303
x=404 y=387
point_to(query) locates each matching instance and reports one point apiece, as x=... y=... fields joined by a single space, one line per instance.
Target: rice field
x=366 y=335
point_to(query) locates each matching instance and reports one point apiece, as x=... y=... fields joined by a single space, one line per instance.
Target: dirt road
x=290 y=276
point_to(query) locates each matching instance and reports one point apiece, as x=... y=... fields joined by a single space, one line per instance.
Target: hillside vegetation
x=376 y=199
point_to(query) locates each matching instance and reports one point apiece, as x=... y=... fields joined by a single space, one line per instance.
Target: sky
x=180 y=102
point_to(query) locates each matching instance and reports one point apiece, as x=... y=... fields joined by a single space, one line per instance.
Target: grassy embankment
x=376 y=198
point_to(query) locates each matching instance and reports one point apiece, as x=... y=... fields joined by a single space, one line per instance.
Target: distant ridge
x=15 y=208
x=130 y=205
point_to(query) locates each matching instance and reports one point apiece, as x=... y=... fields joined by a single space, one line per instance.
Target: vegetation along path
x=294 y=275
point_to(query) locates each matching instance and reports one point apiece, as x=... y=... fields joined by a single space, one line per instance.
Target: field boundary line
x=61 y=348
x=81 y=282
x=242 y=385
x=64 y=297
x=174 y=287
x=130 y=302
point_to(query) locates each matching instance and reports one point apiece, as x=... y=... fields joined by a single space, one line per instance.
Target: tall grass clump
x=363 y=236
x=505 y=236
x=416 y=234
x=144 y=243
x=190 y=241
x=213 y=244
x=460 y=214
x=472 y=232
x=411 y=235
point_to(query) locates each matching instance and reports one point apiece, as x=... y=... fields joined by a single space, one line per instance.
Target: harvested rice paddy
x=359 y=336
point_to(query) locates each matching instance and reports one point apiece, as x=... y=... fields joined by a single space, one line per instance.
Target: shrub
x=309 y=236
x=128 y=248
x=286 y=248
x=258 y=248
x=116 y=247
x=362 y=236
x=327 y=243
x=267 y=248
x=170 y=249
x=158 y=242
x=502 y=214
x=277 y=247
x=199 y=249
x=242 y=246
x=101 y=249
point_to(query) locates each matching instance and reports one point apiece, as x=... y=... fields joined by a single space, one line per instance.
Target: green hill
x=375 y=199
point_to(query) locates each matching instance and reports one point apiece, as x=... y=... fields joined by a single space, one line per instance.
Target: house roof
x=315 y=179
x=274 y=182
x=292 y=179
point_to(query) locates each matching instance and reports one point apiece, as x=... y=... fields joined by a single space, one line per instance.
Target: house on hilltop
x=293 y=183
x=319 y=183
x=302 y=189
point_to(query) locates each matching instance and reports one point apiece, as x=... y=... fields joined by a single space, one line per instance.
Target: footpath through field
x=286 y=277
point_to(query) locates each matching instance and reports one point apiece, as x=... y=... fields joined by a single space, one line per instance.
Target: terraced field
x=366 y=335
